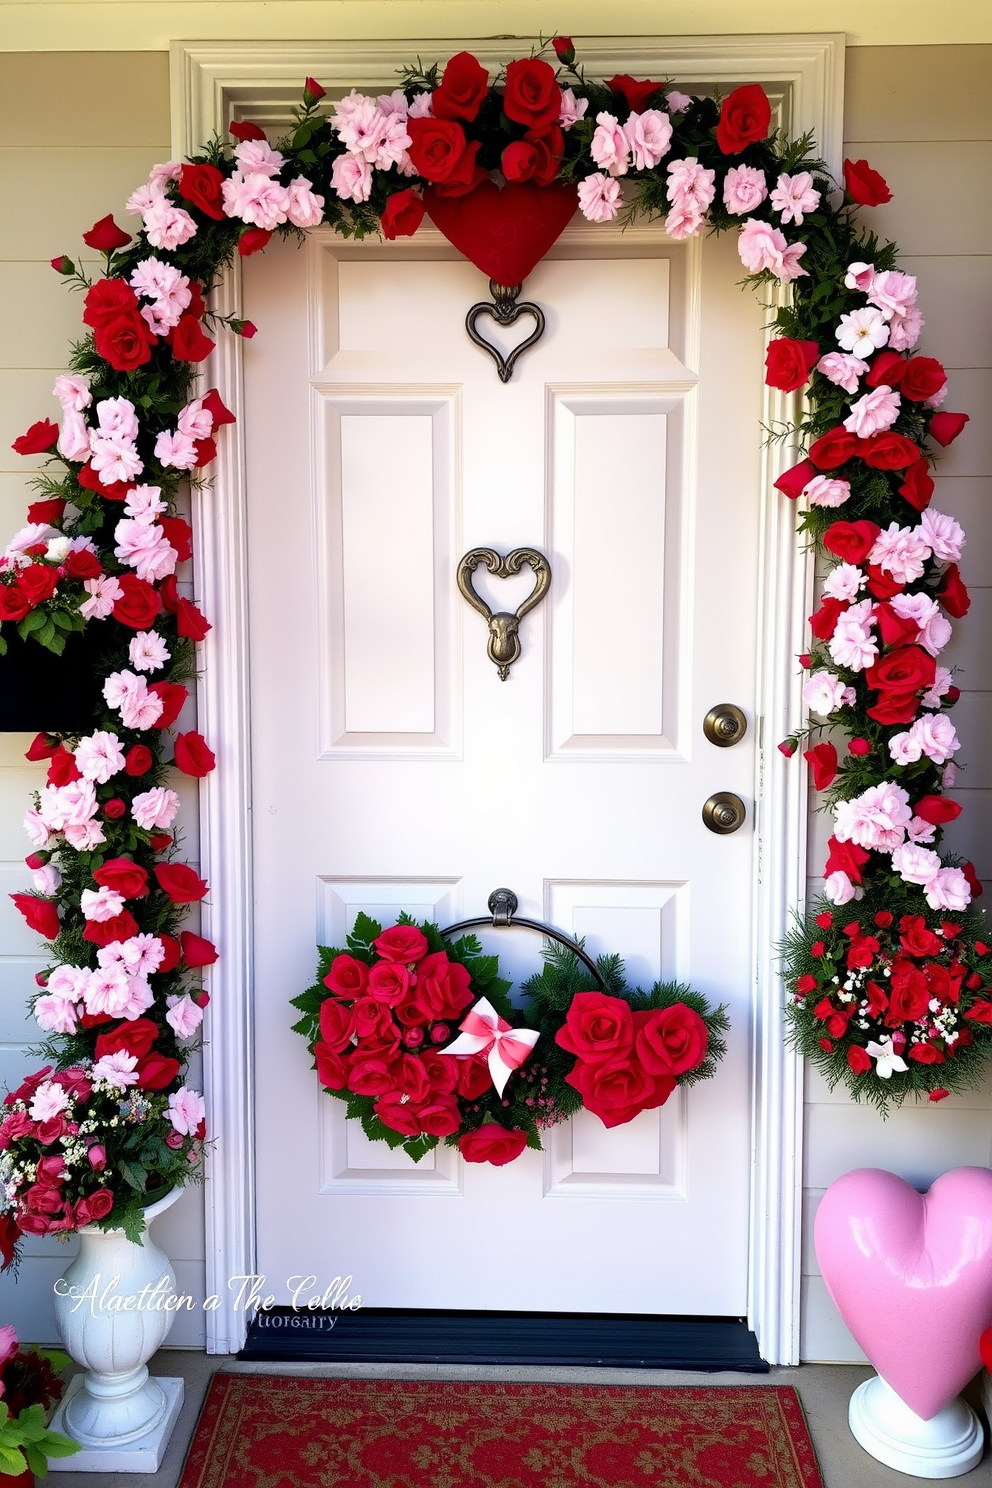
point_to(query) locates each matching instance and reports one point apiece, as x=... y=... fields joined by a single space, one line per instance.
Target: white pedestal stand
x=112 y=1312
x=946 y=1446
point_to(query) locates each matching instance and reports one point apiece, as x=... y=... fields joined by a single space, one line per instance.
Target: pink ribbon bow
x=483 y=1031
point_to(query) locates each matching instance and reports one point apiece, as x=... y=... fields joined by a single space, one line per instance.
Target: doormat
x=263 y=1431
x=407 y=1335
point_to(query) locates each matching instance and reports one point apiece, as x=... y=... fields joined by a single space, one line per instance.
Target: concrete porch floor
x=823 y=1388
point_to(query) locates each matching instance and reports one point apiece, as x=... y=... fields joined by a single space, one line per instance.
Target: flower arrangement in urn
x=29 y=1388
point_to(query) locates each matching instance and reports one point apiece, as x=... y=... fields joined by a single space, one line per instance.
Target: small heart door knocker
x=504 y=638
x=504 y=311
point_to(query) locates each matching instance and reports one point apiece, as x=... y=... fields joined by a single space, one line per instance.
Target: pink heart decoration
x=504 y=233
x=911 y=1275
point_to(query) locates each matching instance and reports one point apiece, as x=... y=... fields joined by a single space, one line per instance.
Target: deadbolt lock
x=725 y=725
x=724 y=813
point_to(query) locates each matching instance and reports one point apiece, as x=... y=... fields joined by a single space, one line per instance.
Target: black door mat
x=406 y=1335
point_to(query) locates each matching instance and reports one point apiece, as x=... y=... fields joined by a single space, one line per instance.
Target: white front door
x=394 y=770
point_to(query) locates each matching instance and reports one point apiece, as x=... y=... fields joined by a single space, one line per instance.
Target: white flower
x=100 y=904
x=48 y=1100
x=844 y=581
x=116 y=1070
x=823 y=693
x=184 y=1015
x=887 y=1062
x=842 y=369
x=943 y=535
x=795 y=195
x=609 y=147
x=599 y=197
x=103 y=593
x=147 y=651
x=862 y=331
x=99 y=756
x=824 y=491
x=155 y=808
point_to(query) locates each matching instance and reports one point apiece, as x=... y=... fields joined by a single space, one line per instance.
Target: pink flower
x=184 y=1015
x=168 y=291
x=106 y=991
x=838 y=888
x=764 y=248
x=145 y=548
x=683 y=221
x=37 y=832
x=823 y=491
x=351 y=178
x=256 y=199
x=117 y=416
x=258 y=157
x=794 y=195
x=186 y=1111
x=899 y=552
x=139 y=998
x=74 y=436
x=904 y=330
x=876 y=411
x=144 y=503
x=823 y=693
x=116 y=1070
x=114 y=457
x=599 y=198
x=935 y=628
x=852 y=643
x=649 y=136
x=875 y=819
x=942 y=534
x=844 y=581
x=677 y=102
x=920 y=830
x=99 y=756
x=744 y=188
x=160 y=175
x=175 y=450
x=914 y=864
x=691 y=184
x=936 y=735
x=948 y=889
x=862 y=331
x=100 y=904
x=49 y=1100
x=147 y=651
x=422 y=108
x=103 y=593
x=859 y=276
x=55 y=1014
x=84 y=836
x=195 y=421
x=68 y=983
x=305 y=207
x=46 y=880
x=65 y=805
x=155 y=808
x=842 y=369
x=892 y=292
x=931 y=699
x=73 y=393
x=572 y=109
x=140 y=956
x=609 y=146
x=167 y=226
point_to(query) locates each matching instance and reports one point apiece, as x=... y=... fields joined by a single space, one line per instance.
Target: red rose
x=532 y=96
x=337 y=1024
x=822 y=759
x=887 y=370
x=188 y=342
x=372 y=1020
x=389 y=983
x=40 y=748
x=252 y=240
x=793 y=482
x=922 y=377
x=522 y=160
x=173 y=954
x=347 y=977
x=888 y=451
x=925 y=1054
x=439 y=1118
x=90 y=481
x=462 y=89
x=436 y=147
x=670 y=1041
x=105 y=236
x=858 y=1059
x=62 y=265
x=909 y=995
x=179 y=536
x=861 y=953
x=371 y=1076
x=173 y=695
x=895 y=707
x=402 y=214
x=917 y=487
x=945 y=427
x=332 y=1071
x=895 y=630
x=40 y=915
x=103 y=932
x=851 y=541
x=62 y=769
x=138 y=760
x=123 y=877
x=156 y=1071
x=313 y=90
x=980 y=1011
x=823 y=622
x=615 y=1092
x=443 y=987
x=100 y=1203
x=201 y=185
x=138 y=604
x=745 y=117
x=903 y=670
x=38 y=582
x=49 y=513
x=401 y=943
x=635 y=92
x=82 y=565
x=474 y=1078
x=114 y=808
x=190 y=622
x=864 y=185
x=106 y=301
x=411 y=1078
x=193 y=755
x=38 y=440
x=180 y=883
x=564 y=49
x=858 y=746
x=246 y=131
x=844 y=857
x=13 y=604
x=134 y=1038
x=597 y=1028
x=492 y=1143
x=441 y=1071
x=884 y=918
x=833 y=449
x=953 y=594
x=213 y=404
x=788 y=363
x=124 y=342
x=937 y=810
x=399 y=1115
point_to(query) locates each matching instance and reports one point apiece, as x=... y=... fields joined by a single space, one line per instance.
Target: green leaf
x=11 y=1461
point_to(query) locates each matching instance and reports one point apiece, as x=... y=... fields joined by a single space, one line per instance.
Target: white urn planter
x=113 y=1311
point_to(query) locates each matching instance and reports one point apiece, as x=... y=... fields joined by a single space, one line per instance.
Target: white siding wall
x=922 y=116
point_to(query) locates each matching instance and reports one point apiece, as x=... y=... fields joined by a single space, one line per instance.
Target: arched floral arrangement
x=888 y=978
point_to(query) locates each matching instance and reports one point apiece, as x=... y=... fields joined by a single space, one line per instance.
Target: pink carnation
x=599 y=198
x=900 y=552
x=842 y=369
x=744 y=188
x=793 y=196
x=876 y=819
x=876 y=411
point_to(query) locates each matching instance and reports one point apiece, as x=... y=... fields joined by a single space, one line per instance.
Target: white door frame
x=213 y=83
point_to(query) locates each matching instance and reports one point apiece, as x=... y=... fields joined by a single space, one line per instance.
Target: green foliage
x=26 y=1442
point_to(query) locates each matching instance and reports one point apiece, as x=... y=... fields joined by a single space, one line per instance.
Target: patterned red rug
x=265 y=1431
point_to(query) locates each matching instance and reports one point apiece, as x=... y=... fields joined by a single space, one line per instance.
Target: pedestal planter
x=42 y=692
x=112 y=1310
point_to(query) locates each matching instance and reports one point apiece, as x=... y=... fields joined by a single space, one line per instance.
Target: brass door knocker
x=504 y=638
x=504 y=310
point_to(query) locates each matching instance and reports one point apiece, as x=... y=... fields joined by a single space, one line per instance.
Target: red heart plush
x=504 y=233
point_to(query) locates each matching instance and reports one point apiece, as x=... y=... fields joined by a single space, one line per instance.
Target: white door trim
x=211 y=84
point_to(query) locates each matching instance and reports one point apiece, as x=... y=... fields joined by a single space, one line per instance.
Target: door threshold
x=410 y=1335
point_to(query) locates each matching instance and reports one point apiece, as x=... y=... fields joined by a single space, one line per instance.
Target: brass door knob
x=725 y=725
x=724 y=813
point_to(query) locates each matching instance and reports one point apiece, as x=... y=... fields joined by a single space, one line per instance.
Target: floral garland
x=381 y=1021
x=104 y=538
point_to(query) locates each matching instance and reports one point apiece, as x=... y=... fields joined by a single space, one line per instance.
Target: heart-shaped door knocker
x=504 y=311
x=504 y=628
